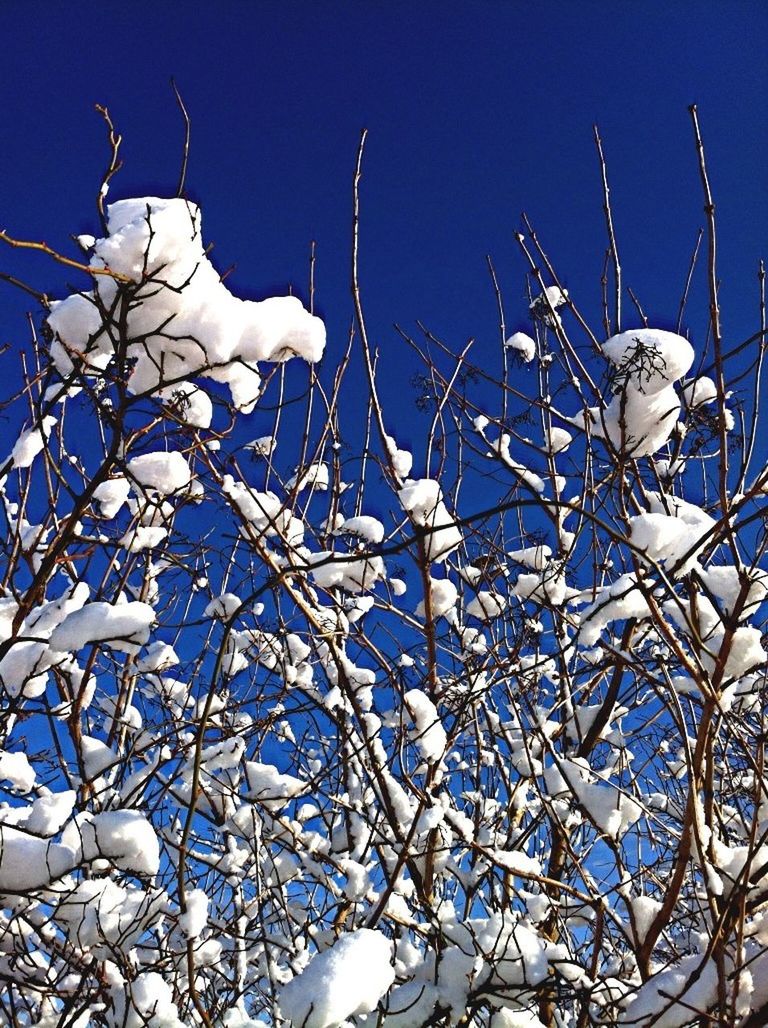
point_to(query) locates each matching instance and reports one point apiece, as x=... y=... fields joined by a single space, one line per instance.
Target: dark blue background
x=476 y=111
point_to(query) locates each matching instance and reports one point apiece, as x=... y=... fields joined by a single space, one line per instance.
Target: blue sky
x=476 y=111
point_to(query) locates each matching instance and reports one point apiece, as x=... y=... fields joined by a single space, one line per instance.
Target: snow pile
x=123 y=837
x=97 y=756
x=125 y=626
x=147 y=1004
x=16 y=769
x=331 y=570
x=669 y=998
x=187 y=321
x=486 y=605
x=99 y=911
x=111 y=495
x=163 y=473
x=527 y=477
x=428 y=733
x=443 y=596
x=271 y=787
x=535 y=557
x=558 y=440
x=607 y=807
x=369 y=529
x=28 y=863
x=702 y=390
x=522 y=344
x=422 y=499
x=31 y=442
x=545 y=306
x=617 y=602
x=194 y=920
x=644 y=409
x=402 y=460
x=316 y=475
x=347 y=979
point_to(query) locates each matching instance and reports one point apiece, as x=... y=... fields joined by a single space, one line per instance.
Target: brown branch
x=24 y=244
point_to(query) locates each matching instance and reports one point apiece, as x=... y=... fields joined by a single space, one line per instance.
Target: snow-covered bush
x=472 y=735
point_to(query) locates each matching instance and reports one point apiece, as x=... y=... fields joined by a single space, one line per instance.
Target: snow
x=194 y=920
x=187 y=320
x=125 y=626
x=745 y=652
x=159 y=656
x=644 y=910
x=651 y=358
x=264 y=510
x=443 y=597
x=725 y=582
x=611 y=810
x=516 y=1018
x=270 y=787
x=528 y=477
x=148 y=1004
x=99 y=910
x=410 y=1005
x=124 y=837
x=522 y=344
x=689 y=513
x=422 y=499
x=49 y=812
x=264 y=446
x=702 y=390
x=28 y=863
x=143 y=537
x=643 y=412
x=546 y=587
x=31 y=442
x=665 y=539
x=535 y=557
x=97 y=756
x=111 y=495
x=668 y=998
x=486 y=605
x=428 y=733
x=548 y=302
x=23 y=668
x=188 y=403
x=331 y=570
x=222 y=756
x=367 y=528
x=348 y=978
x=615 y=602
x=16 y=769
x=516 y=860
x=402 y=460
x=316 y=475
x=223 y=606
x=164 y=473
x=558 y=440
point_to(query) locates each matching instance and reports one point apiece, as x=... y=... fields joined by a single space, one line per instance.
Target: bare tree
x=299 y=733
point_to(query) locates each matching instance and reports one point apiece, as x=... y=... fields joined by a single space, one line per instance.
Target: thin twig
x=115 y=164
x=714 y=316
x=684 y=297
x=187 y=127
x=638 y=306
x=611 y=233
x=25 y=244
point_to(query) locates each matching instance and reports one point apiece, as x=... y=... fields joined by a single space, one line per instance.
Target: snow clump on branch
x=180 y=318
x=643 y=412
x=349 y=978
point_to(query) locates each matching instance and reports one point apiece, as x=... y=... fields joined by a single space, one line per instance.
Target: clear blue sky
x=476 y=111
